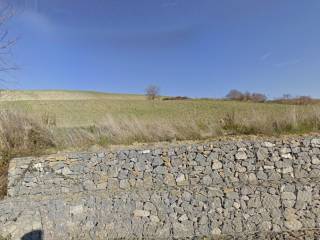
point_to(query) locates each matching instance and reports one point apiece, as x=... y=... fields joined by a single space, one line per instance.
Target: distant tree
x=304 y=100
x=247 y=96
x=235 y=95
x=152 y=92
x=258 y=97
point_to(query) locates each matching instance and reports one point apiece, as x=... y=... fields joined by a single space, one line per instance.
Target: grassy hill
x=16 y=95
x=76 y=117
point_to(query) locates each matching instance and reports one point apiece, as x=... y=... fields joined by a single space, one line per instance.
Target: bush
x=302 y=100
x=258 y=97
x=235 y=95
x=175 y=98
x=247 y=96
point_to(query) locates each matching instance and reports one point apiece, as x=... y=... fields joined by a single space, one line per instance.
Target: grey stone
x=161 y=170
x=293 y=224
x=268 y=144
x=202 y=160
x=315 y=160
x=288 y=196
x=265 y=226
x=241 y=155
x=157 y=161
x=181 y=179
x=131 y=194
x=252 y=178
x=271 y=201
x=216 y=165
x=141 y=213
x=303 y=199
x=182 y=230
x=315 y=142
x=140 y=166
x=124 y=184
x=169 y=179
x=207 y=180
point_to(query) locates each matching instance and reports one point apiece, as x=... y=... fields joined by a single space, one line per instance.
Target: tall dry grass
x=130 y=129
x=20 y=135
x=269 y=123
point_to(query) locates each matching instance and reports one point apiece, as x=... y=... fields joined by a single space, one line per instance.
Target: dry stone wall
x=229 y=189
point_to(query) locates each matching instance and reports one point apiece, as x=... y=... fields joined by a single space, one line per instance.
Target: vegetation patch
x=19 y=136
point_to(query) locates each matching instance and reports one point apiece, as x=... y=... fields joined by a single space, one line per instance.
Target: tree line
x=152 y=92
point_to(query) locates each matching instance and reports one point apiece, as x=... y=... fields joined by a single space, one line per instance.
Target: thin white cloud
x=170 y=3
x=265 y=56
x=29 y=15
x=37 y=21
x=287 y=63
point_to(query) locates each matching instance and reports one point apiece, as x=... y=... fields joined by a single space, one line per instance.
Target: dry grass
x=292 y=121
x=3 y=178
x=20 y=135
x=131 y=129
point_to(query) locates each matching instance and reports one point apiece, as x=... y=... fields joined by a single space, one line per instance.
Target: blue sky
x=187 y=47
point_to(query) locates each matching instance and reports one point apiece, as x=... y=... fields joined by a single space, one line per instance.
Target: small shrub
x=175 y=98
x=302 y=100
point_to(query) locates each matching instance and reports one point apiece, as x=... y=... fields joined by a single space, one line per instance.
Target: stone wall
x=241 y=189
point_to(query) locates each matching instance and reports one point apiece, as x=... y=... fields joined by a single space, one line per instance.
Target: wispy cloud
x=265 y=56
x=157 y=39
x=37 y=21
x=287 y=63
x=30 y=16
x=169 y=3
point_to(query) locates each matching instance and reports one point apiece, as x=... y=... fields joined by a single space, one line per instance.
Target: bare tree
x=6 y=43
x=152 y=92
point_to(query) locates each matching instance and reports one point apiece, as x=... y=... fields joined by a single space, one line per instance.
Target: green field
x=74 y=108
x=103 y=118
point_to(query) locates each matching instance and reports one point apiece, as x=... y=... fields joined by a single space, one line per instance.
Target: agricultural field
x=81 y=109
x=75 y=117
